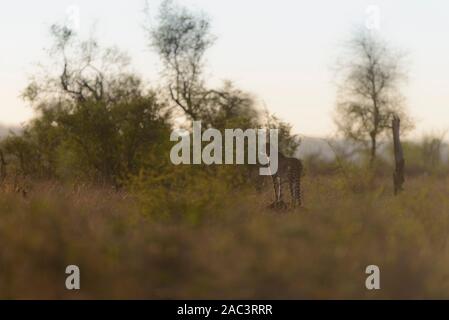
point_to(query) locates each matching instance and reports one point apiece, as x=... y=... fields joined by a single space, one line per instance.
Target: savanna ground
x=238 y=249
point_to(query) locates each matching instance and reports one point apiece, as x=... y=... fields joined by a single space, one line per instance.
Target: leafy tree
x=95 y=118
x=288 y=142
x=370 y=76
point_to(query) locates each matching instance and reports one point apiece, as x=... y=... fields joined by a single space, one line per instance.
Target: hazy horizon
x=282 y=52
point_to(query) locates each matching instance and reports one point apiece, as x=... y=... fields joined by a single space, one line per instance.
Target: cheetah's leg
x=292 y=187
x=277 y=189
x=298 y=192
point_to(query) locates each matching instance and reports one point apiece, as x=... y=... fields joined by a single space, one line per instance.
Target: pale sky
x=281 y=51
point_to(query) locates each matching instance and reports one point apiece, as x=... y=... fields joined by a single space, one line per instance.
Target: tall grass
x=238 y=249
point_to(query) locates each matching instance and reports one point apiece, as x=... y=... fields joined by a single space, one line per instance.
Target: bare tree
x=181 y=38
x=369 y=80
x=82 y=70
x=398 y=175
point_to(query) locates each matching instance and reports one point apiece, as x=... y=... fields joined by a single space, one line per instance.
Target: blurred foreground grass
x=239 y=249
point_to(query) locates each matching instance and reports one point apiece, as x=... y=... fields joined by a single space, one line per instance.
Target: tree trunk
x=3 y=164
x=398 y=175
x=373 y=148
x=375 y=131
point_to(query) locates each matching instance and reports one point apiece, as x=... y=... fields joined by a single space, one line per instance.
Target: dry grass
x=239 y=250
